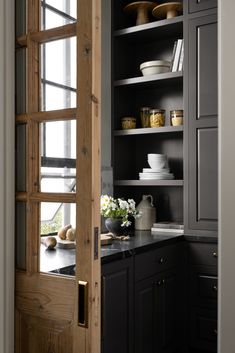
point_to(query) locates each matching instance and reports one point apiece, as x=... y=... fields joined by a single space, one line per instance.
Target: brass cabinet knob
x=163 y=281
x=215 y=254
x=215 y=289
x=159 y=283
x=161 y=260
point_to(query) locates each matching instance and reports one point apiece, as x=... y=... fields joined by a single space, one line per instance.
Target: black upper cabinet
x=199 y=5
x=202 y=164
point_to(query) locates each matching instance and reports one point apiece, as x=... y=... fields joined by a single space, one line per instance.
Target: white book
x=173 y=54
x=181 y=61
x=177 y=55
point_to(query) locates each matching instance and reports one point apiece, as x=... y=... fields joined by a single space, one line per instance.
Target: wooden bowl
x=140 y=9
x=167 y=10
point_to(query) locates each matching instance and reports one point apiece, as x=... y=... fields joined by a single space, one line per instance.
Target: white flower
x=123 y=204
x=126 y=223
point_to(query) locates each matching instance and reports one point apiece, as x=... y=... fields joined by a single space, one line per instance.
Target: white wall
x=227 y=176
x=7 y=176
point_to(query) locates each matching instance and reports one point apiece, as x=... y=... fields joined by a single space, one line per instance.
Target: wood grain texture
x=88 y=168
x=54 y=115
x=54 y=33
x=47 y=305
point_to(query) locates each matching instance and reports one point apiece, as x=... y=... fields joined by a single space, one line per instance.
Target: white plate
x=157 y=177
x=155 y=170
x=153 y=174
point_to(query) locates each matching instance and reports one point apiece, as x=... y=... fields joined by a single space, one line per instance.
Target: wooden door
x=58 y=177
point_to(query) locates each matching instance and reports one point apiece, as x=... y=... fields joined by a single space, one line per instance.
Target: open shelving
x=133 y=45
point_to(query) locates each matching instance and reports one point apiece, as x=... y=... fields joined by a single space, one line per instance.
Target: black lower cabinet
x=157 y=304
x=203 y=287
x=117 y=306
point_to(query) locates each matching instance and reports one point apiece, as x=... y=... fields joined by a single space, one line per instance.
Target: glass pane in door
x=58 y=74
x=58 y=156
x=56 y=13
x=58 y=228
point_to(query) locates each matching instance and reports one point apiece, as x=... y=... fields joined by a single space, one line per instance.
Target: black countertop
x=140 y=242
x=54 y=260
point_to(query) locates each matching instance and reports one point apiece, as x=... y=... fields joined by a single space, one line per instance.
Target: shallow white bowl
x=155 y=67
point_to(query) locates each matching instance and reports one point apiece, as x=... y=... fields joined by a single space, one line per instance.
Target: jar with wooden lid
x=157 y=117
x=176 y=117
x=145 y=117
x=128 y=122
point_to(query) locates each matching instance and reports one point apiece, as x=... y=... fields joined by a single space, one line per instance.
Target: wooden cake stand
x=168 y=10
x=141 y=9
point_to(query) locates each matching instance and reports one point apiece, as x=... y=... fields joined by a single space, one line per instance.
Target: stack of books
x=168 y=227
x=178 y=56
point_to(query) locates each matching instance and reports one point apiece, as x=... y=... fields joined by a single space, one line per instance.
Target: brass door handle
x=83 y=304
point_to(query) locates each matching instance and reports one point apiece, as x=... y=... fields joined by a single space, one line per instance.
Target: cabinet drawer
x=203 y=287
x=154 y=261
x=203 y=329
x=199 y=5
x=203 y=254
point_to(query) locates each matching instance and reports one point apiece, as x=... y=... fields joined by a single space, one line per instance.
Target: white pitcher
x=147 y=214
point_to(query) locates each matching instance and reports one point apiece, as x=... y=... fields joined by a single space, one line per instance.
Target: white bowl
x=156 y=155
x=157 y=164
x=155 y=67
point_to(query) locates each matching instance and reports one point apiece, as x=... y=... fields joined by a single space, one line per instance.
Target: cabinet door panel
x=145 y=316
x=117 y=309
x=199 y=5
x=202 y=125
x=207 y=174
x=203 y=68
x=203 y=179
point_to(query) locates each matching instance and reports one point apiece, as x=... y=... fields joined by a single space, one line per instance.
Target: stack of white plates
x=159 y=168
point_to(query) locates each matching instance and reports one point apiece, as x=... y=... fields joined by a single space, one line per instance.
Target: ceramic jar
x=147 y=213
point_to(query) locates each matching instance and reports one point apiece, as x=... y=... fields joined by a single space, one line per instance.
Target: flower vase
x=114 y=226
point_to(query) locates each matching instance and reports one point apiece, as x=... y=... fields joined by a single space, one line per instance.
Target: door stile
x=32 y=104
x=88 y=170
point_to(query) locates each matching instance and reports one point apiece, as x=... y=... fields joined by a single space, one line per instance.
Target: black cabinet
x=159 y=310
x=199 y=5
x=202 y=167
x=117 y=306
x=156 y=313
x=203 y=287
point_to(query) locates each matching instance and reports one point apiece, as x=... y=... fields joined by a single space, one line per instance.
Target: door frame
x=7 y=183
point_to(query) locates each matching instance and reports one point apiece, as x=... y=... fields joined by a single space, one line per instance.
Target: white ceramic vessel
x=155 y=67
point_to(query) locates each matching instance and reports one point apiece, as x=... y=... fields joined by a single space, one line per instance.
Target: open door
x=58 y=78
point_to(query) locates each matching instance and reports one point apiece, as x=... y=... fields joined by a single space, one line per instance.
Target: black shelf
x=144 y=131
x=149 y=182
x=152 y=31
x=168 y=78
